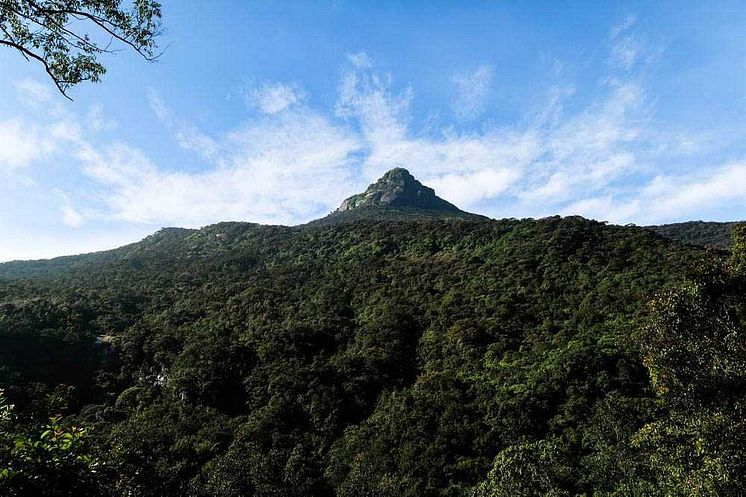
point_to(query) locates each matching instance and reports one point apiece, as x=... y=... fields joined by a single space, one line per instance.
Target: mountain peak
x=398 y=189
x=396 y=196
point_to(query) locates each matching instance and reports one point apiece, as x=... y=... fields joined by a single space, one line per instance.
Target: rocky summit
x=398 y=188
x=397 y=195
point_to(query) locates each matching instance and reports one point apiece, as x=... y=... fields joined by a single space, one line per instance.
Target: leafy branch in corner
x=55 y=33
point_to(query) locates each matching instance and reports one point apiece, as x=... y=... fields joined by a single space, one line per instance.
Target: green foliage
x=738 y=255
x=49 y=32
x=706 y=234
x=57 y=461
x=430 y=359
x=525 y=470
x=694 y=349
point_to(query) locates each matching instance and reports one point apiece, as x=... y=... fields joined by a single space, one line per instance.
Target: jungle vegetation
x=429 y=358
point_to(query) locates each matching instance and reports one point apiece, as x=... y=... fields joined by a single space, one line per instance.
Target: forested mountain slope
x=421 y=357
x=339 y=358
x=703 y=233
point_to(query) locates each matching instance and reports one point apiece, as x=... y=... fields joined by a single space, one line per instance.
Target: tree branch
x=91 y=46
x=28 y=53
x=105 y=24
x=47 y=31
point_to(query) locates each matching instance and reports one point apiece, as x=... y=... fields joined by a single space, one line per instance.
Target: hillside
x=396 y=197
x=160 y=243
x=702 y=233
x=411 y=357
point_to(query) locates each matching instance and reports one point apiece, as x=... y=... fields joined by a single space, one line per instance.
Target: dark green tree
x=695 y=350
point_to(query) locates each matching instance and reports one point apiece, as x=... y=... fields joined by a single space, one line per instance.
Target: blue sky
x=274 y=112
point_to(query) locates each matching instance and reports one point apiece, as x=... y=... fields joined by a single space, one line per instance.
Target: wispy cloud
x=668 y=198
x=622 y=26
x=277 y=169
x=293 y=162
x=158 y=105
x=469 y=188
x=33 y=91
x=699 y=195
x=383 y=116
x=360 y=60
x=472 y=89
x=70 y=215
x=97 y=121
x=186 y=135
x=544 y=159
x=21 y=144
x=273 y=98
x=627 y=47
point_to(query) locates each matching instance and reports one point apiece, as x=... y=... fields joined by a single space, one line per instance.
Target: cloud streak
x=22 y=144
x=472 y=89
x=276 y=169
x=274 y=98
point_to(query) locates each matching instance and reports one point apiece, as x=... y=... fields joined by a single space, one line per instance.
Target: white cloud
x=187 y=136
x=627 y=48
x=40 y=98
x=21 y=144
x=625 y=52
x=292 y=163
x=592 y=149
x=33 y=91
x=472 y=89
x=546 y=159
x=273 y=98
x=191 y=138
x=360 y=60
x=274 y=170
x=555 y=188
x=70 y=215
x=96 y=120
x=623 y=26
x=382 y=115
x=469 y=188
x=158 y=105
x=603 y=208
x=670 y=197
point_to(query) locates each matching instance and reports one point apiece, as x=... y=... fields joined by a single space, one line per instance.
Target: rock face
x=398 y=189
x=397 y=196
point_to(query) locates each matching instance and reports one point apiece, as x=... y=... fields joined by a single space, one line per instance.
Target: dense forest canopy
x=704 y=233
x=386 y=358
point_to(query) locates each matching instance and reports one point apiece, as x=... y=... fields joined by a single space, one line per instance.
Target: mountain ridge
x=395 y=197
x=712 y=234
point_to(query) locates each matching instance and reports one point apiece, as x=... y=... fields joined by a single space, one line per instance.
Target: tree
x=54 y=33
x=525 y=470
x=694 y=350
x=52 y=459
